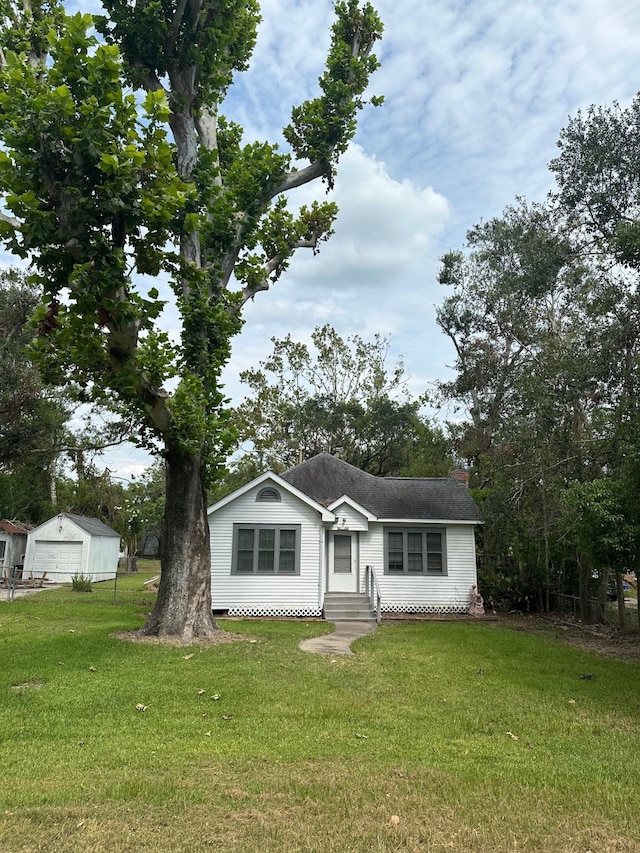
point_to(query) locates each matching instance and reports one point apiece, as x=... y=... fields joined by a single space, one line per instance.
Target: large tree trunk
x=183 y=607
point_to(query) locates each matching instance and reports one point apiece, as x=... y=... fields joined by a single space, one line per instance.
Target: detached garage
x=69 y=545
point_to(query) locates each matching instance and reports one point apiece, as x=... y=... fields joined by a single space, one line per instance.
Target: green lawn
x=434 y=737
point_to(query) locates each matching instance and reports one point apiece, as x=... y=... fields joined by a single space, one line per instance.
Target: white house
x=281 y=543
x=13 y=544
x=72 y=545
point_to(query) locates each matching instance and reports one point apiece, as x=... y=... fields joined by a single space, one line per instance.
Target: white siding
x=266 y=594
x=14 y=550
x=425 y=593
x=102 y=564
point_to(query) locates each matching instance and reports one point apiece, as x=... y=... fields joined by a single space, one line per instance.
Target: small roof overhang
x=440 y=522
x=345 y=499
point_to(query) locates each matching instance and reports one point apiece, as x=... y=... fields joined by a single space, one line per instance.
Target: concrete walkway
x=21 y=591
x=339 y=642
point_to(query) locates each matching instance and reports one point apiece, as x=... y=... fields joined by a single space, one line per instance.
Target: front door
x=343 y=562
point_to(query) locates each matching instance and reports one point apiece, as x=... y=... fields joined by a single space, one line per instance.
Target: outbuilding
x=69 y=546
x=13 y=543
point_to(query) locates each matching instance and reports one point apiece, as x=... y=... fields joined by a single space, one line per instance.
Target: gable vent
x=268 y=494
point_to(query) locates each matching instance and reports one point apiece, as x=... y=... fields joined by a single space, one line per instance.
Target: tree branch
x=71 y=448
x=250 y=291
x=152 y=83
x=198 y=22
x=299 y=177
x=177 y=18
x=6 y=218
x=270 y=267
x=294 y=179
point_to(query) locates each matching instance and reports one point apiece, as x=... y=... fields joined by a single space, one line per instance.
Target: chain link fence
x=569 y=605
x=16 y=582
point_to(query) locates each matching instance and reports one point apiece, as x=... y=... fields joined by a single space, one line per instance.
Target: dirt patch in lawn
x=595 y=638
x=26 y=687
x=217 y=638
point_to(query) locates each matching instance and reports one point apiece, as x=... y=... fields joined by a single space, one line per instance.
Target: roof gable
x=326 y=478
x=92 y=526
x=346 y=500
x=272 y=478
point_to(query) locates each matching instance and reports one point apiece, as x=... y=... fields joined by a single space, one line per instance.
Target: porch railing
x=370 y=585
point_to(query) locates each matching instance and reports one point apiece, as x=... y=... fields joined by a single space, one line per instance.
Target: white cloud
x=365 y=280
x=477 y=92
x=383 y=225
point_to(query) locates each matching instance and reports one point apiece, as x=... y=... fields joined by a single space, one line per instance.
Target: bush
x=505 y=594
x=80 y=583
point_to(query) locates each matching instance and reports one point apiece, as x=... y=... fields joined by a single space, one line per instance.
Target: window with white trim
x=266 y=549
x=414 y=551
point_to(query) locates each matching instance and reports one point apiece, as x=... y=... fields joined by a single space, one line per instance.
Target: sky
x=476 y=94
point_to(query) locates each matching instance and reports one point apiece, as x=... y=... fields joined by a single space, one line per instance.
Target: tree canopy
x=33 y=420
x=338 y=396
x=118 y=165
x=543 y=313
x=598 y=176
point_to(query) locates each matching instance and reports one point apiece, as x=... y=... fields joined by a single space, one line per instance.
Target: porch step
x=348 y=607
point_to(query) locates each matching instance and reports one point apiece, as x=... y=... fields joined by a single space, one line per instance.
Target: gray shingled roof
x=325 y=478
x=91 y=525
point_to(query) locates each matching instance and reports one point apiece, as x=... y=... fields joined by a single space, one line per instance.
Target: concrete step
x=350 y=597
x=348 y=607
x=349 y=616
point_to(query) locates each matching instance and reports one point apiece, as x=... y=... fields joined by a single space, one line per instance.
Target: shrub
x=80 y=583
x=506 y=593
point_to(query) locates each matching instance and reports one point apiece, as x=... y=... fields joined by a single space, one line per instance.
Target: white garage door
x=57 y=559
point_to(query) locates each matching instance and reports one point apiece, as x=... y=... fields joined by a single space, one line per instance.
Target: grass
x=434 y=737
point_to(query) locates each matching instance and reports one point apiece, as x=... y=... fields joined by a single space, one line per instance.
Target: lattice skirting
x=275 y=611
x=303 y=612
x=423 y=608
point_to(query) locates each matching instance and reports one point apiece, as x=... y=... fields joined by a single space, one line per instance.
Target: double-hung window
x=266 y=549
x=411 y=551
